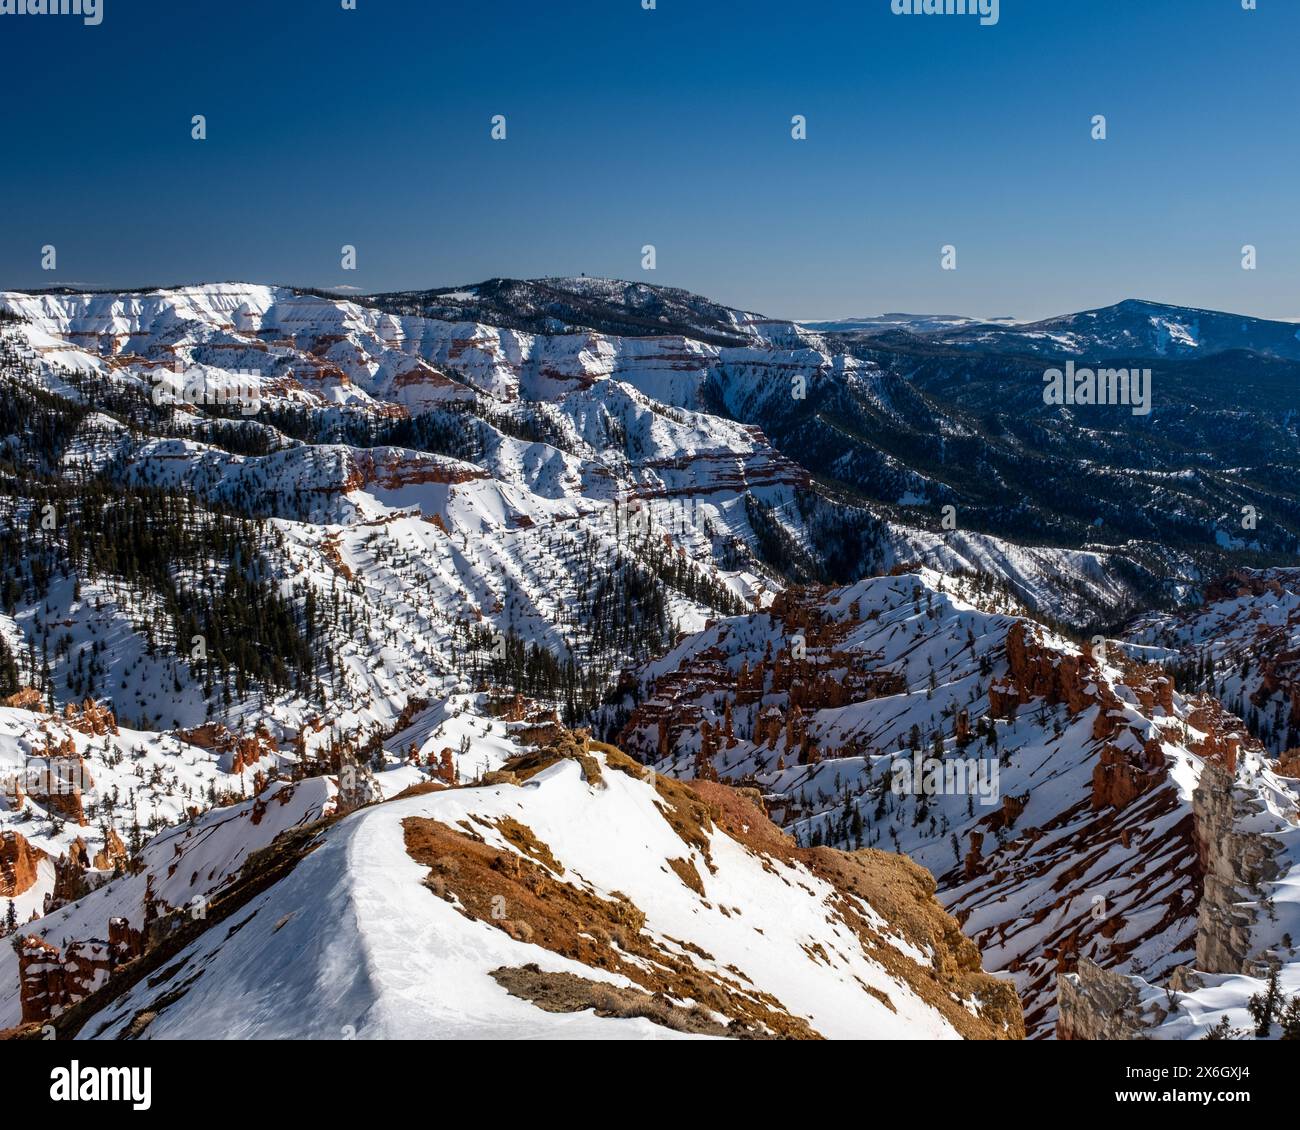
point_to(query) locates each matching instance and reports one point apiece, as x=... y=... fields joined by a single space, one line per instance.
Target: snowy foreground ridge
x=581 y=897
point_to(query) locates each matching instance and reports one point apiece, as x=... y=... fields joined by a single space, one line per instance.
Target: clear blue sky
x=670 y=127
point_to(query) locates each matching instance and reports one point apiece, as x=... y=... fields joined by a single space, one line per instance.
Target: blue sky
x=670 y=127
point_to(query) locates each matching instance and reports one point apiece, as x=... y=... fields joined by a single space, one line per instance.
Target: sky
x=371 y=127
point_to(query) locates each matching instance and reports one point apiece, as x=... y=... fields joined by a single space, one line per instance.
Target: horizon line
x=346 y=293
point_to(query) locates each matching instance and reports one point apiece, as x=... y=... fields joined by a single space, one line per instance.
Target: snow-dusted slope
x=79 y=785
x=71 y=951
x=1243 y=646
x=432 y=493
x=619 y=414
x=307 y=535
x=1062 y=829
x=548 y=506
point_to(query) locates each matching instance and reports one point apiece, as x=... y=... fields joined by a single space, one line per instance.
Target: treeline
x=200 y=573
x=35 y=425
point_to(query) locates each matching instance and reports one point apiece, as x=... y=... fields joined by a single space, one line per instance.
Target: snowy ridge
x=361 y=939
x=178 y=872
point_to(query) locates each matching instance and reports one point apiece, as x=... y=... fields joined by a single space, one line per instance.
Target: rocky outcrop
x=1242 y=582
x=71 y=872
x=51 y=980
x=113 y=854
x=57 y=780
x=1288 y=764
x=124 y=941
x=1279 y=675
x=90 y=719
x=241 y=752
x=1096 y=1004
x=1128 y=765
x=18 y=863
x=1238 y=856
x=25 y=698
x=1121 y=776
x=1224 y=735
x=974 y=857
x=40 y=972
x=391 y=468
x=808 y=671
x=1237 y=863
x=1037 y=671
x=248 y=752
x=1153 y=688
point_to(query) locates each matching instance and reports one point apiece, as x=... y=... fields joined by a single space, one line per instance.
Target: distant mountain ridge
x=1132 y=328
x=1135 y=328
x=909 y=323
x=567 y=304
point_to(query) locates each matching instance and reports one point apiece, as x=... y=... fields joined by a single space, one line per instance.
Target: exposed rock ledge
x=1237 y=864
x=1241 y=855
x=1096 y=1004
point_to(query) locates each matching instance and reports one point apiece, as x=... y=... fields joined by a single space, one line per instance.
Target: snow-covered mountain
x=272 y=551
x=434 y=483
x=1134 y=329
x=574 y=305
x=607 y=389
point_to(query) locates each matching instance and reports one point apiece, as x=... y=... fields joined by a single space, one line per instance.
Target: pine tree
x=1290 y=1019
x=1264 y=1006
